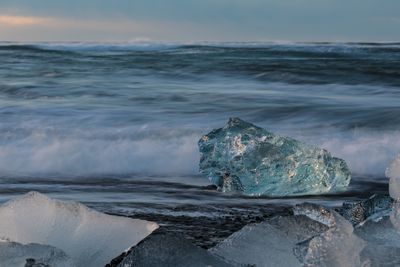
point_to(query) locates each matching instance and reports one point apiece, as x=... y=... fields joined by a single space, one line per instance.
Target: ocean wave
x=42 y=153
x=162 y=152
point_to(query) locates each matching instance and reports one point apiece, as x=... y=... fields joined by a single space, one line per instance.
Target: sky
x=200 y=20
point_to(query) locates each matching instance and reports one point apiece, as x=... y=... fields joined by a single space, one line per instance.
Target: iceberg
x=167 y=249
x=14 y=254
x=88 y=237
x=241 y=157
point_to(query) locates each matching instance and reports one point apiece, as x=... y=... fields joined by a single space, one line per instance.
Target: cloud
x=37 y=28
x=26 y=28
x=18 y=21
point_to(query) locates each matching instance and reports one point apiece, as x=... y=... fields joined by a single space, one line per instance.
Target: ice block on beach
x=88 y=237
x=241 y=157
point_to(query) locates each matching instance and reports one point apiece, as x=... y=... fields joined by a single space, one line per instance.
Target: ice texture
x=269 y=243
x=89 y=237
x=242 y=157
x=259 y=245
x=170 y=250
x=373 y=241
x=14 y=254
x=373 y=208
x=336 y=247
x=383 y=239
x=298 y=228
x=315 y=212
x=393 y=173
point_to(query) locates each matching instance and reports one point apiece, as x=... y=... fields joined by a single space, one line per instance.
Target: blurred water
x=116 y=125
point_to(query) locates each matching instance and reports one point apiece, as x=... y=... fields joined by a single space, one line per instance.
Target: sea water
x=116 y=126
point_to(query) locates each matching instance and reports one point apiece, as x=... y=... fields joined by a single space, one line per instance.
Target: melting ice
x=245 y=158
x=88 y=237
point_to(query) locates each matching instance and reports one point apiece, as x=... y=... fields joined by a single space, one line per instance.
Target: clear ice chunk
x=242 y=157
x=383 y=239
x=258 y=245
x=298 y=227
x=167 y=249
x=336 y=247
x=14 y=254
x=315 y=212
x=89 y=237
x=373 y=208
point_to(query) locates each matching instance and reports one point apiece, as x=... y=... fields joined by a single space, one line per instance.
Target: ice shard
x=89 y=237
x=242 y=157
x=336 y=247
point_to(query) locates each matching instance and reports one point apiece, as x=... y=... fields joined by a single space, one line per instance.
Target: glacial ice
x=314 y=236
x=382 y=230
x=319 y=236
x=374 y=241
x=383 y=239
x=336 y=247
x=259 y=245
x=269 y=243
x=89 y=237
x=393 y=173
x=298 y=228
x=242 y=157
x=170 y=250
x=14 y=254
x=315 y=212
x=373 y=208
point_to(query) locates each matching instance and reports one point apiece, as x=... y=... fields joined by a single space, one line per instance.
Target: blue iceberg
x=242 y=157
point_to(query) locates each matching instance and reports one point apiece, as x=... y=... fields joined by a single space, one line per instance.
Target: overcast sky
x=199 y=20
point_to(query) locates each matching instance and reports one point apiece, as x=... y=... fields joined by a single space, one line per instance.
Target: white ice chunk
x=17 y=255
x=89 y=237
x=393 y=173
x=395 y=216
